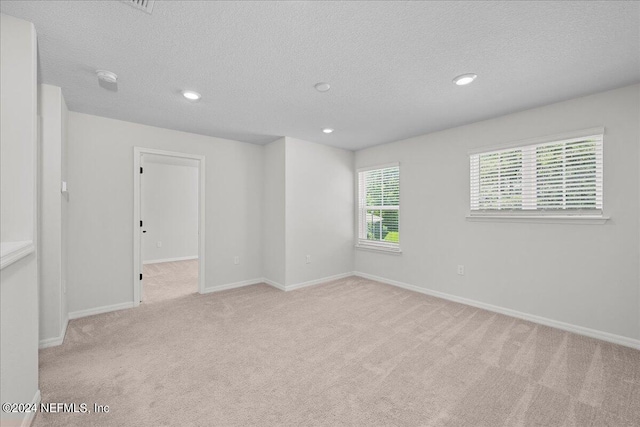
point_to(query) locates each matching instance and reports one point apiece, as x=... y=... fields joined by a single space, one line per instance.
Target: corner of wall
x=19 y=300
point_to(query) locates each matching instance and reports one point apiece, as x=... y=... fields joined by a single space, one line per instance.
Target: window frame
x=373 y=245
x=578 y=216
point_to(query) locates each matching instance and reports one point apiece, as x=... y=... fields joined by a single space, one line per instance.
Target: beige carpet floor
x=349 y=352
x=169 y=280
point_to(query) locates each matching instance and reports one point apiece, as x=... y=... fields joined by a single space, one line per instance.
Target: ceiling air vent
x=144 y=5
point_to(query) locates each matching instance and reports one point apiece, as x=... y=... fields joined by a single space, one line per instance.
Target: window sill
x=372 y=248
x=11 y=252
x=541 y=219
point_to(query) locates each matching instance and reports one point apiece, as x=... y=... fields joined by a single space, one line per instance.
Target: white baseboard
x=318 y=281
x=295 y=286
x=52 y=342
x=580 y=330
x=233 y=285
x=100 y=310
x=274 y=284
x=29 y=416
x=158 y=261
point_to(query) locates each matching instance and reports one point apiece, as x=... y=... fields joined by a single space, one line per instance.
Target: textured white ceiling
x=390 y=64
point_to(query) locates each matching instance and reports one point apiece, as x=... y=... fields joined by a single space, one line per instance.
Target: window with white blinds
x=379 y=208
x=561 y=177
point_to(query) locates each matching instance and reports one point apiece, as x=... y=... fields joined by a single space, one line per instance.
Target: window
x=379 y=208
x=562 y=177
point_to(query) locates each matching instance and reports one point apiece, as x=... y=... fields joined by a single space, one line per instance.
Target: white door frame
x=137 y=230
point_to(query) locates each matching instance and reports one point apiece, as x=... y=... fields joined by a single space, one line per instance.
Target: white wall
x=18 y=130
x=100 y=236
x=585 y=275
x=319 y=211
x=18 y=281
x=169 y=210
x=308 y=210
x=273 y=219
x=52 y=215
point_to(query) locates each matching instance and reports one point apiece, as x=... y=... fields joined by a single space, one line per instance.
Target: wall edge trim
x=318 y=281
x=55 y=341
x=30 y=416
x=99 y=310
x=233 y=285
x=158 y=261
x=568 y=327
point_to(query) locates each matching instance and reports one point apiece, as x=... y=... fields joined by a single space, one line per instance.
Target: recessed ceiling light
x=107 y=76
x=191 y=95
x=322 y=87
x=327 y=130
x=465 y=79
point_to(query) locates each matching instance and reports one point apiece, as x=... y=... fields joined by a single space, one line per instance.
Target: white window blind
x=556 y=177
x=379 y=208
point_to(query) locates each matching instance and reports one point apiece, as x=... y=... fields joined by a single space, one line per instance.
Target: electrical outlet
x=159 y=244
x=461 y=270
x=236 y=260
x=308 y=259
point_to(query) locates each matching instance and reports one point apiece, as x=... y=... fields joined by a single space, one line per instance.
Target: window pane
x=549 y=172
x=559 y=175
x=566 y=175
x=382 y=187
x=382 y=225
x=373 y=183
x=501 y=180
x=380 y=204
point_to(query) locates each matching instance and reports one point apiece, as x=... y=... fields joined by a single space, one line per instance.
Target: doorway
x=169 y=221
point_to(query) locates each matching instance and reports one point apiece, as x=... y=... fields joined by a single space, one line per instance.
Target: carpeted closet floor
x=349 y=352
x=169 y=280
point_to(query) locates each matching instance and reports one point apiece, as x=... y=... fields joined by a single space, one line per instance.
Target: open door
x=145 y=158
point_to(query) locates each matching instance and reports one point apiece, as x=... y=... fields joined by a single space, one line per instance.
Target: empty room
x=320 y=213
